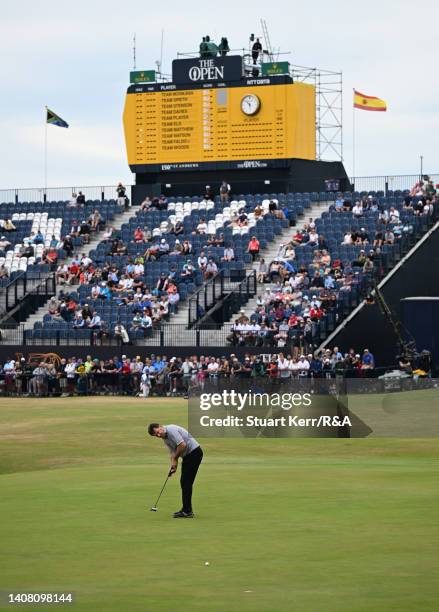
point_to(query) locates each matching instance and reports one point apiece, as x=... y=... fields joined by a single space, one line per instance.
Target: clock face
x=250 y=104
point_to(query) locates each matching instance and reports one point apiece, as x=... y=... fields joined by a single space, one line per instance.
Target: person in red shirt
x=73 y=273
x=254 y=247
x=272 y=370
x=297 y=239
x=138 y=235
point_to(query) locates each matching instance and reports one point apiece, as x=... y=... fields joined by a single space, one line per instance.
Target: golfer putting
x=180 y=444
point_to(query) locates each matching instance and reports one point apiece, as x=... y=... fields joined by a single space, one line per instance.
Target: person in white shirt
x=357 y=210
x=313 y=237
x=283 y=366
x=315 y=302
x=202 y=261
x=212 y=369
x=394 y=215
x=303 y=366
x=86 y=261
x=202 y=227
x=145 y=382
x=347 y=238
x=146 y=321
x=139 y=269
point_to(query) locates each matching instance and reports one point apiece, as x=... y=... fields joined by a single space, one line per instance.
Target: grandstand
x=149 y=269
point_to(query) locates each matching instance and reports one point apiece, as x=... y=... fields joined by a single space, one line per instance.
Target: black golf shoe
x=181 y=514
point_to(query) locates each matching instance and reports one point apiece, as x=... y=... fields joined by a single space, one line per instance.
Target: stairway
x=315 y=212
x=183 y=337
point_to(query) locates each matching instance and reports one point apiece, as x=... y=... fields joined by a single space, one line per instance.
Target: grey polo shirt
x=175 y=436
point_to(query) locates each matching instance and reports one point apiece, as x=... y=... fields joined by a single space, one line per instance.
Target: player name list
x=179 y=120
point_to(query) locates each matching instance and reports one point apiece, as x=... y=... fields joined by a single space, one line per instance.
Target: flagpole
x=353 y=139
x=45 y=152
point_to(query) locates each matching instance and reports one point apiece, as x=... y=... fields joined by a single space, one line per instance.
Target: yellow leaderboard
x=224 y=124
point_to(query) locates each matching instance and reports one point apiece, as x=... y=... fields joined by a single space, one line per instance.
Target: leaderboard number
x=36 y=598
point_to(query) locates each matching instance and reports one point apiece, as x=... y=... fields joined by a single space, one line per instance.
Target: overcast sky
x=76 y=58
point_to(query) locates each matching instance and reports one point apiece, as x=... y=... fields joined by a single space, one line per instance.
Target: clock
x=250 y=104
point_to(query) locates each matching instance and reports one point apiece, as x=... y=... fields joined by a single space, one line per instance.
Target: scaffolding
x=329 y=109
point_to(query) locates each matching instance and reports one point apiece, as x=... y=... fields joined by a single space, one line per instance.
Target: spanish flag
x=369 y=103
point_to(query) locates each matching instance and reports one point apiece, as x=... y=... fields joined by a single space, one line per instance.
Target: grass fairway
x=287 y=524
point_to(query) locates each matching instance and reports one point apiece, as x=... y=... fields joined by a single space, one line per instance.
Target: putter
x=154 y=508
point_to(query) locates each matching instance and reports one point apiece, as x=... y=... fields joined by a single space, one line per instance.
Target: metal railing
x=41 y=194
x=23 y=296
x=104 y=192
x=388 y=182
x=211 y=291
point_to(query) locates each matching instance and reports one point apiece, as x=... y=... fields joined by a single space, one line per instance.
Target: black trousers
x=189 y=470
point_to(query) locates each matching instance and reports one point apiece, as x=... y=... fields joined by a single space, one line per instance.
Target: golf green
x=284 y=524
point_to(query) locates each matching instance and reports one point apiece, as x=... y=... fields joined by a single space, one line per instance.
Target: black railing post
x=162 y=337
x=57 y=338
x=16 y=196
x=197 y=337
x=102 y=194
x=23 y=335
x=386 y=186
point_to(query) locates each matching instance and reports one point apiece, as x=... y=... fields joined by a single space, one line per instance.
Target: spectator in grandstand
x=297 y=238
x=187 y=248
x=389 y=236
x=208 y=193
x=211 y=269
x=95 y=220
x=201 y=227
x=4 y=244
x=95 y=322
x=229 y=254
x=262 y=271
x=50 y=256
x=27 y=250
x=121 y=194
x=121 y=334
x=347 y=238
x=146 y=204
x=163 y=248
x=224 y=192
x=73 y=275
x=8 y=226
x=67 y=245
x=177 y=229
x=357 y=209
x=73 y=201
x=138 y=235
x=202 y=261
x=188 y=271
x=339 y=203
x=80 y=200
x=254 y=248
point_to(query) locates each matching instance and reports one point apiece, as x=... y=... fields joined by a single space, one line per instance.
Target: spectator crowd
x=161 y=376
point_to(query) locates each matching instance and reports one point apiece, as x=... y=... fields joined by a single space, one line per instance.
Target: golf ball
x=206 y=563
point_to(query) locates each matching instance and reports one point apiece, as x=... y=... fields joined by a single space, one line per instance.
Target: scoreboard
x=252 y=121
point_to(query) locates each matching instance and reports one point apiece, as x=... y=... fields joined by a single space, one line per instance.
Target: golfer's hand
x=173 y=468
